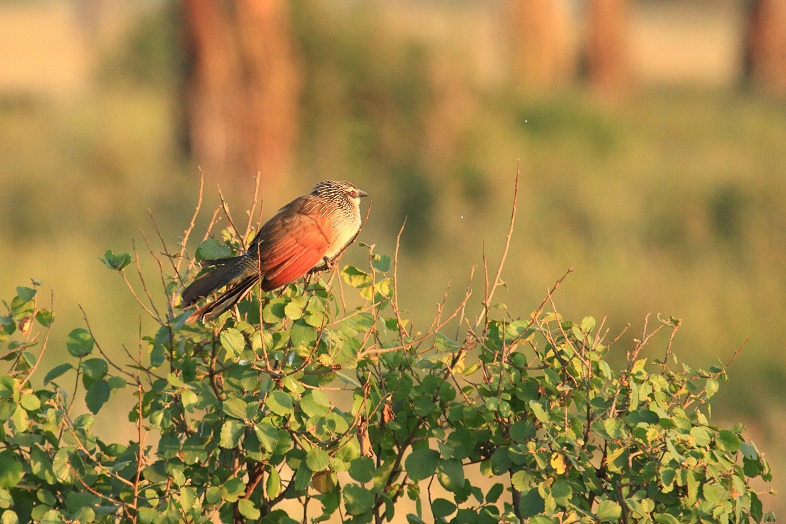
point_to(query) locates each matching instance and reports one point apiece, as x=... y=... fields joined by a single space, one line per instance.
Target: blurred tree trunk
x=541 y=36
x=607 y=53
x=243 y=88
x=765 y=53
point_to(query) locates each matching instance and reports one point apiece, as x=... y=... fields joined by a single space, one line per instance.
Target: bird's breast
x=343 y=230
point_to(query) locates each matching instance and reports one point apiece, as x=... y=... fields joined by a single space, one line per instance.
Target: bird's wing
x=291 y=243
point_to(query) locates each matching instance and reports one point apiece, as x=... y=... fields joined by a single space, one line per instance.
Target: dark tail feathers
x=225 y=274
x=228 y=299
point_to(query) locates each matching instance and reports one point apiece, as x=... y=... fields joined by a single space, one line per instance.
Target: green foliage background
x=668 y=202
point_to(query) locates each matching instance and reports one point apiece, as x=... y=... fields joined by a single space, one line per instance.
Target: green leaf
x=665 y=518
x=462 y=441
x=609 y=511
x=248 y=509
x=9 y=517
x=267 y=435
x=667 y=477
x=213 y=494
x=236 y=407
x=57 y=372
x=273 y=483
x=30 y=402
x=302 y=334
x=25 y=294
x=729 y=441
x=148 y=515
x=11 y=469
x=79 y=343
x=61 y=466
x=540 y=413
x=355 y=277
x=613 y=427
x=20 y=418
x=450 y=474
x=168 y=446
x=233 y=489
x=273 y=311
x=7 y=386
x=422 y=463
x=382 y=263
x=714 y=493
x=97 y=395
x=357 y=499
x=562 y=492
x=157 y=355
x=6 y=500
x=279 y=403
x=83 y=514
x=94 y=368
x=494 y=492
x=587 y=324
x=187 y=497
x=294 y=309
x=41 y=467
x=441 y=508
x=233 y=342
x=212 y=249
x=446 y=344
x=362 y=469
x=231 y=431
x=317 y=459
x=116 y=262
x=45 y=317
x=531 y=503
x=315 y=404
x=711 y=387
x=194 y=450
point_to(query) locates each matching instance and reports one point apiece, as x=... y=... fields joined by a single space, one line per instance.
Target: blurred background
x=651 y=136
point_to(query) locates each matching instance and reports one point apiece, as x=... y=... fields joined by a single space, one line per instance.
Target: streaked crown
x=337 y=190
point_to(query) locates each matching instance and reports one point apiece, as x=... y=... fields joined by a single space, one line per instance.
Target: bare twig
x=227 y=214
x=191 y=224
x=402 y=331
x=497 y=278
x=254 y=203
x=43 y=345
x=100 y=349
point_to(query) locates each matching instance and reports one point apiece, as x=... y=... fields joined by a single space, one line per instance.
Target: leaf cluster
x=297 y=400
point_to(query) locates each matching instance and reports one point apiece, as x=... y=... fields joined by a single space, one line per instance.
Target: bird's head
x=335 y=189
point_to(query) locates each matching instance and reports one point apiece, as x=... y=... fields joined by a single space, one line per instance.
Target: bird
x=306 y=235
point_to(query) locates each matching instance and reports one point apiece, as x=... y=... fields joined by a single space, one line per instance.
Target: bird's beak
x=362 y=193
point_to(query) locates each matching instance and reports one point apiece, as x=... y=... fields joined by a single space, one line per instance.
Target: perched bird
x=306 y=234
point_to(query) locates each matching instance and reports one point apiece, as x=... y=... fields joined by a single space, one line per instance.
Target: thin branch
x=254 y=203
x=98 y=346
x=402 y=331
x=191 y=224
x=225 y=207
x=497 y=278
x=43 y=348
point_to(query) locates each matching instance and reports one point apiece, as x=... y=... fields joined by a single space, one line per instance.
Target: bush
x=298 y=407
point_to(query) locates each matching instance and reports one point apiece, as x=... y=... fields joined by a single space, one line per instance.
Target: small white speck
x=462 y=216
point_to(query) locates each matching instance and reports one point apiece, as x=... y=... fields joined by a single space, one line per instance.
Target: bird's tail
x=227 y=299
x=229 y=272
x=225 y=272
